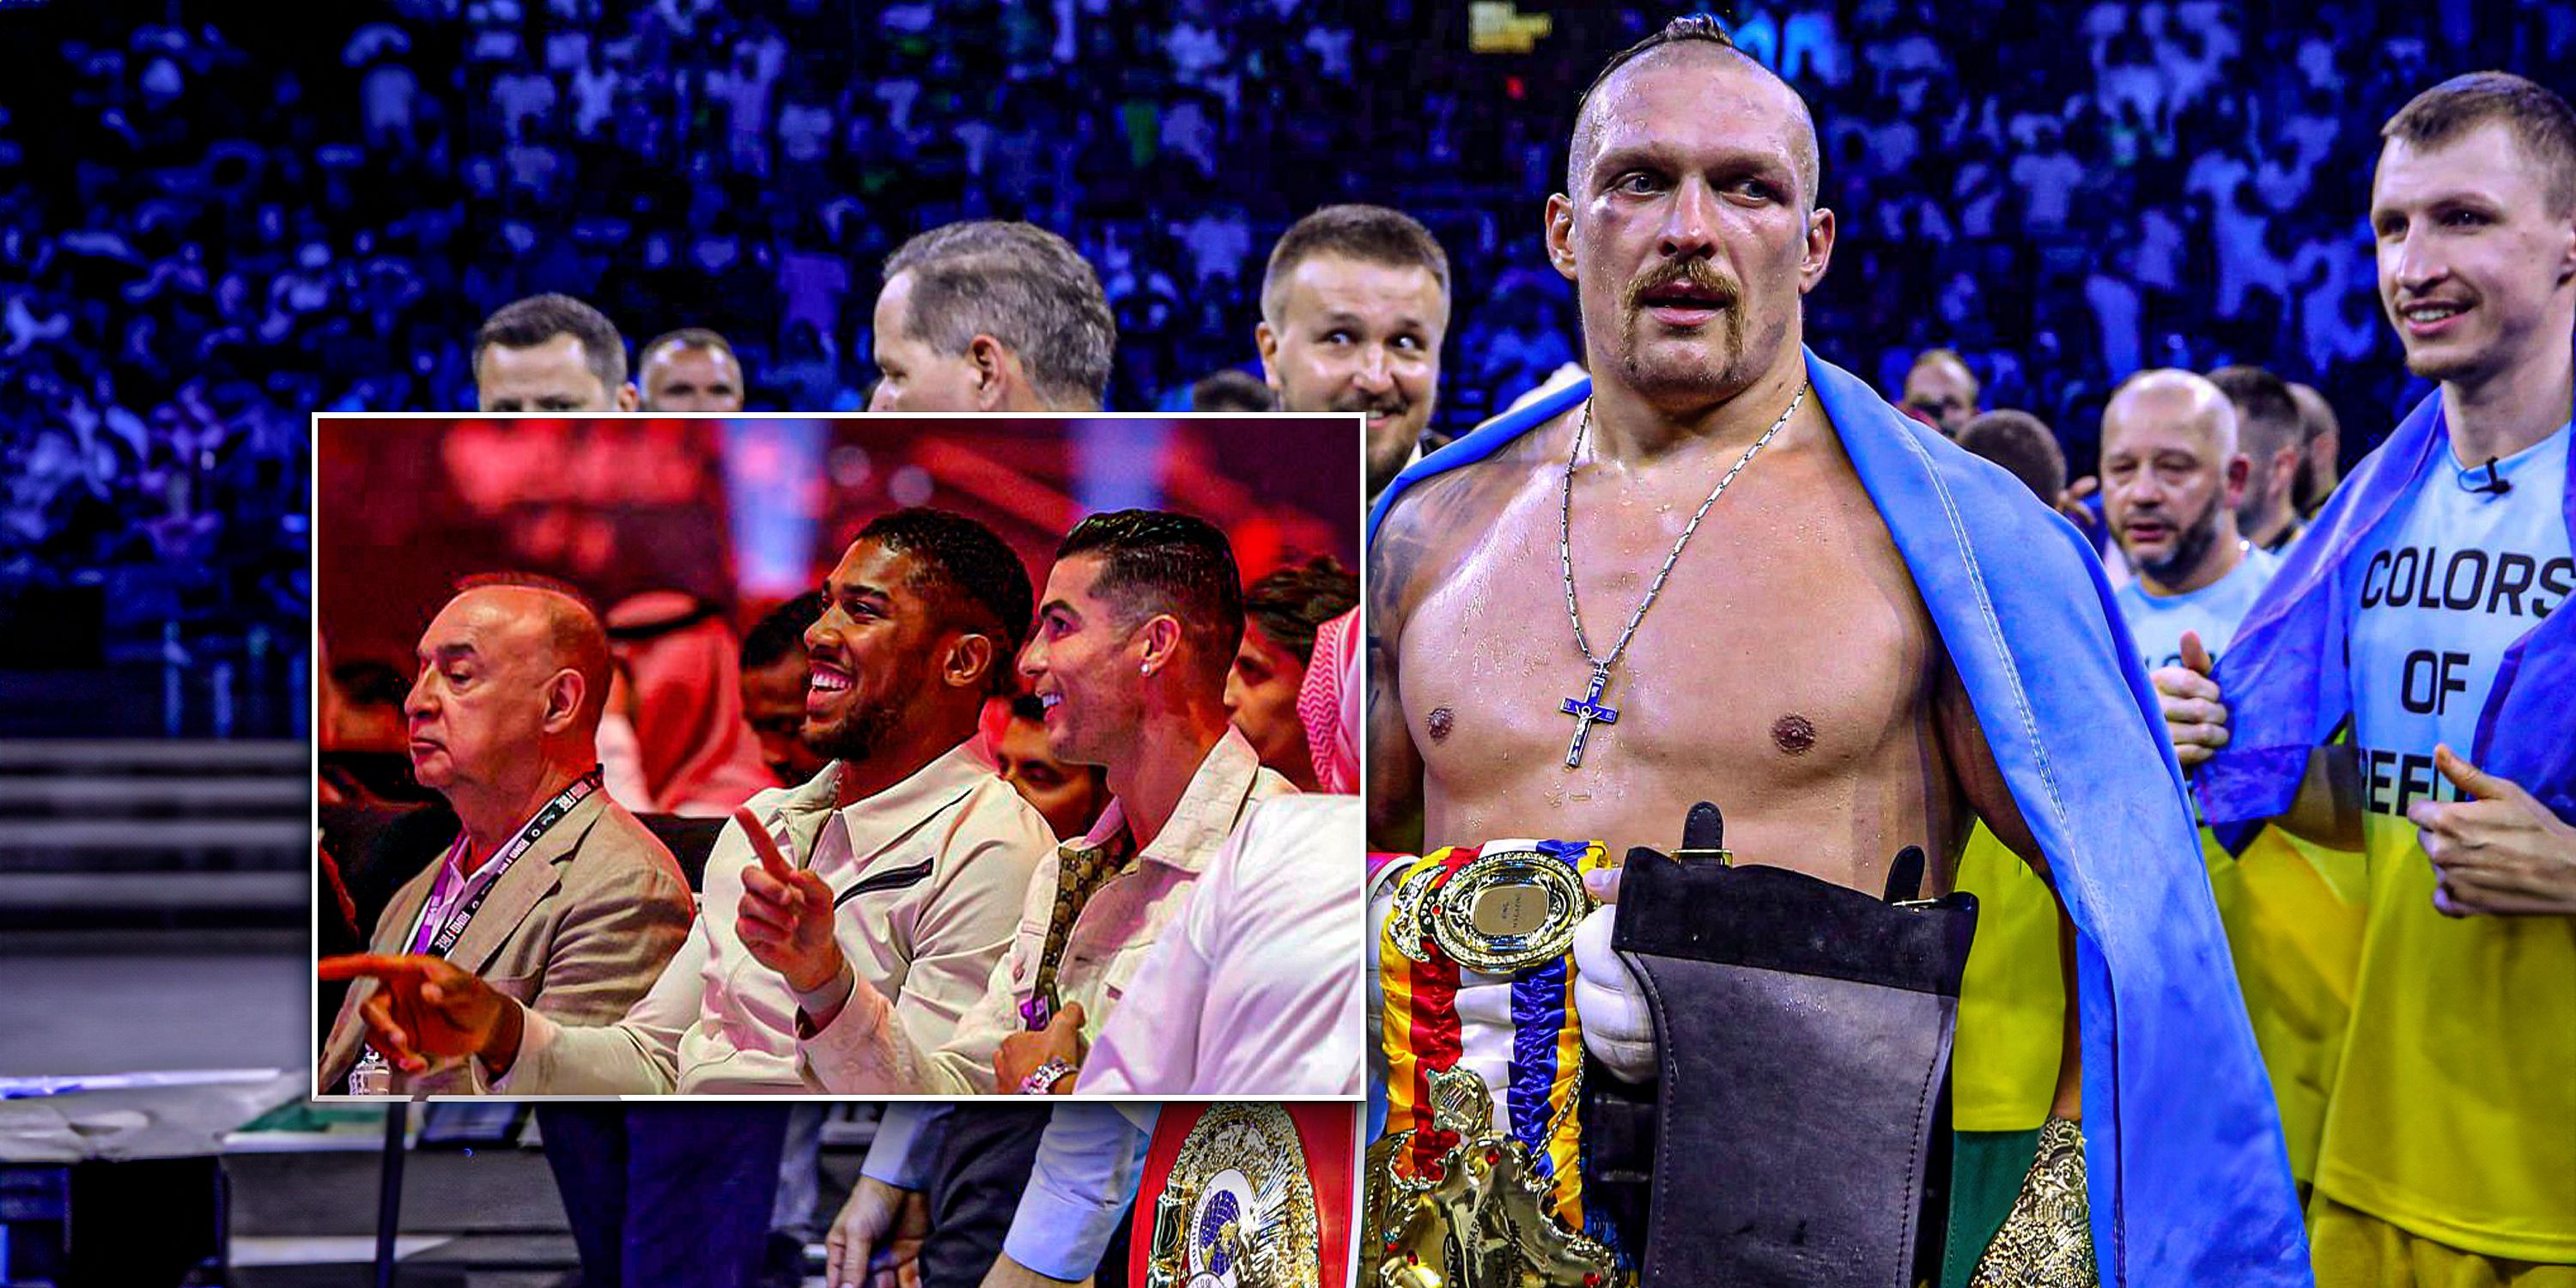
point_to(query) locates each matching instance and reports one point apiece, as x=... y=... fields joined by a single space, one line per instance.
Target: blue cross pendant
x=1586 y=711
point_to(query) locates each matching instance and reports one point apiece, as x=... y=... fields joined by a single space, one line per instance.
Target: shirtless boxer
x=1791 y=668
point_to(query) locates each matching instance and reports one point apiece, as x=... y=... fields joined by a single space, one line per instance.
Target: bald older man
x=551 y=891
x=2172 y=477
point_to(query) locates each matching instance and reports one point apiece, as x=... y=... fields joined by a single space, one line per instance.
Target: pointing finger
x=761 y=844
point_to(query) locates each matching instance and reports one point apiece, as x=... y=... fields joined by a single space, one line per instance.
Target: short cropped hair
x=1154 y=561
x=577 y=632
x=781 y=633
x=525 y=324
x=2316 y=420
x=1934 y=357
x=1290 y=603
x=970 y=576
x=1698 y=28
x=2267 y=417
x=1232 y=390
x=2022 y=444
x=1369 y=234
x=1021 y=285
x=2539 y=118
x=687 y=337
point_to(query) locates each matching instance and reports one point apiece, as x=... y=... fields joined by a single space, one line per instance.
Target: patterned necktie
x=1079 y=874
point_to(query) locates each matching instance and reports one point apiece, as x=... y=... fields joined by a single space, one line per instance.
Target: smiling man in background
x=2424 y=614
x=1354 y=306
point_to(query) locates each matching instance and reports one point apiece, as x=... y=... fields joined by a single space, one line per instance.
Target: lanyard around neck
x=452 y=924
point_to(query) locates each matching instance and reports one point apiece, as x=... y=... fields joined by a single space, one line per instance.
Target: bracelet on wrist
x=1043 y=1079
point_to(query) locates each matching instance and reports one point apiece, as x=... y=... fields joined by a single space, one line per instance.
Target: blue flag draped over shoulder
x=2287 y=687
x=2189 y=1180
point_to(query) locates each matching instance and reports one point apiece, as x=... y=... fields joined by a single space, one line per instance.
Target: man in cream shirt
x=1142 y=616
x=1225 y=1004
x=1255 y=991
x=919 y=856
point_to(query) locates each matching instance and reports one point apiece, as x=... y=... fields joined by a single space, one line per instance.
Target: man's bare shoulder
x=1438 y=515
x=1466 y=491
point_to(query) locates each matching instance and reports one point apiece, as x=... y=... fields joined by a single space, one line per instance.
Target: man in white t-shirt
x=2425 y=613
x=2171 y=479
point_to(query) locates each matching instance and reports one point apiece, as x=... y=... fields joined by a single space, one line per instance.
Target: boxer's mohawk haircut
x=1691 y=26
x=1691 y=29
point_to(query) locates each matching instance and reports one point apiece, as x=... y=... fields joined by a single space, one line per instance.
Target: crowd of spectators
x=213 y=224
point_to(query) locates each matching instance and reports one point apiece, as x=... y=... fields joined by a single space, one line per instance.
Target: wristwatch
x=1041 y=1080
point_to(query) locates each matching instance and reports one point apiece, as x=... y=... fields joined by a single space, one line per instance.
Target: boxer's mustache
x=1723 y=291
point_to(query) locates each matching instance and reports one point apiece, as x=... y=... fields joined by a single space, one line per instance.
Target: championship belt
x=1455 y=1200
x=1802 y=1033
x=1243 y=1195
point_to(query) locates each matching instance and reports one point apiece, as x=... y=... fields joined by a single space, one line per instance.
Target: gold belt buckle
x=1479 y=1216
x=1505 y=911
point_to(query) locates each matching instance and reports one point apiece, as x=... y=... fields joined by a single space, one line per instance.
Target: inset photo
x=877 y=756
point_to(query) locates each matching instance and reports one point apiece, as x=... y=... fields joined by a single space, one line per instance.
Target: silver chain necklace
x=1587 y=710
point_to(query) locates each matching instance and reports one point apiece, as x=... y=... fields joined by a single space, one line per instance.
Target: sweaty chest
x=1787 y=643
